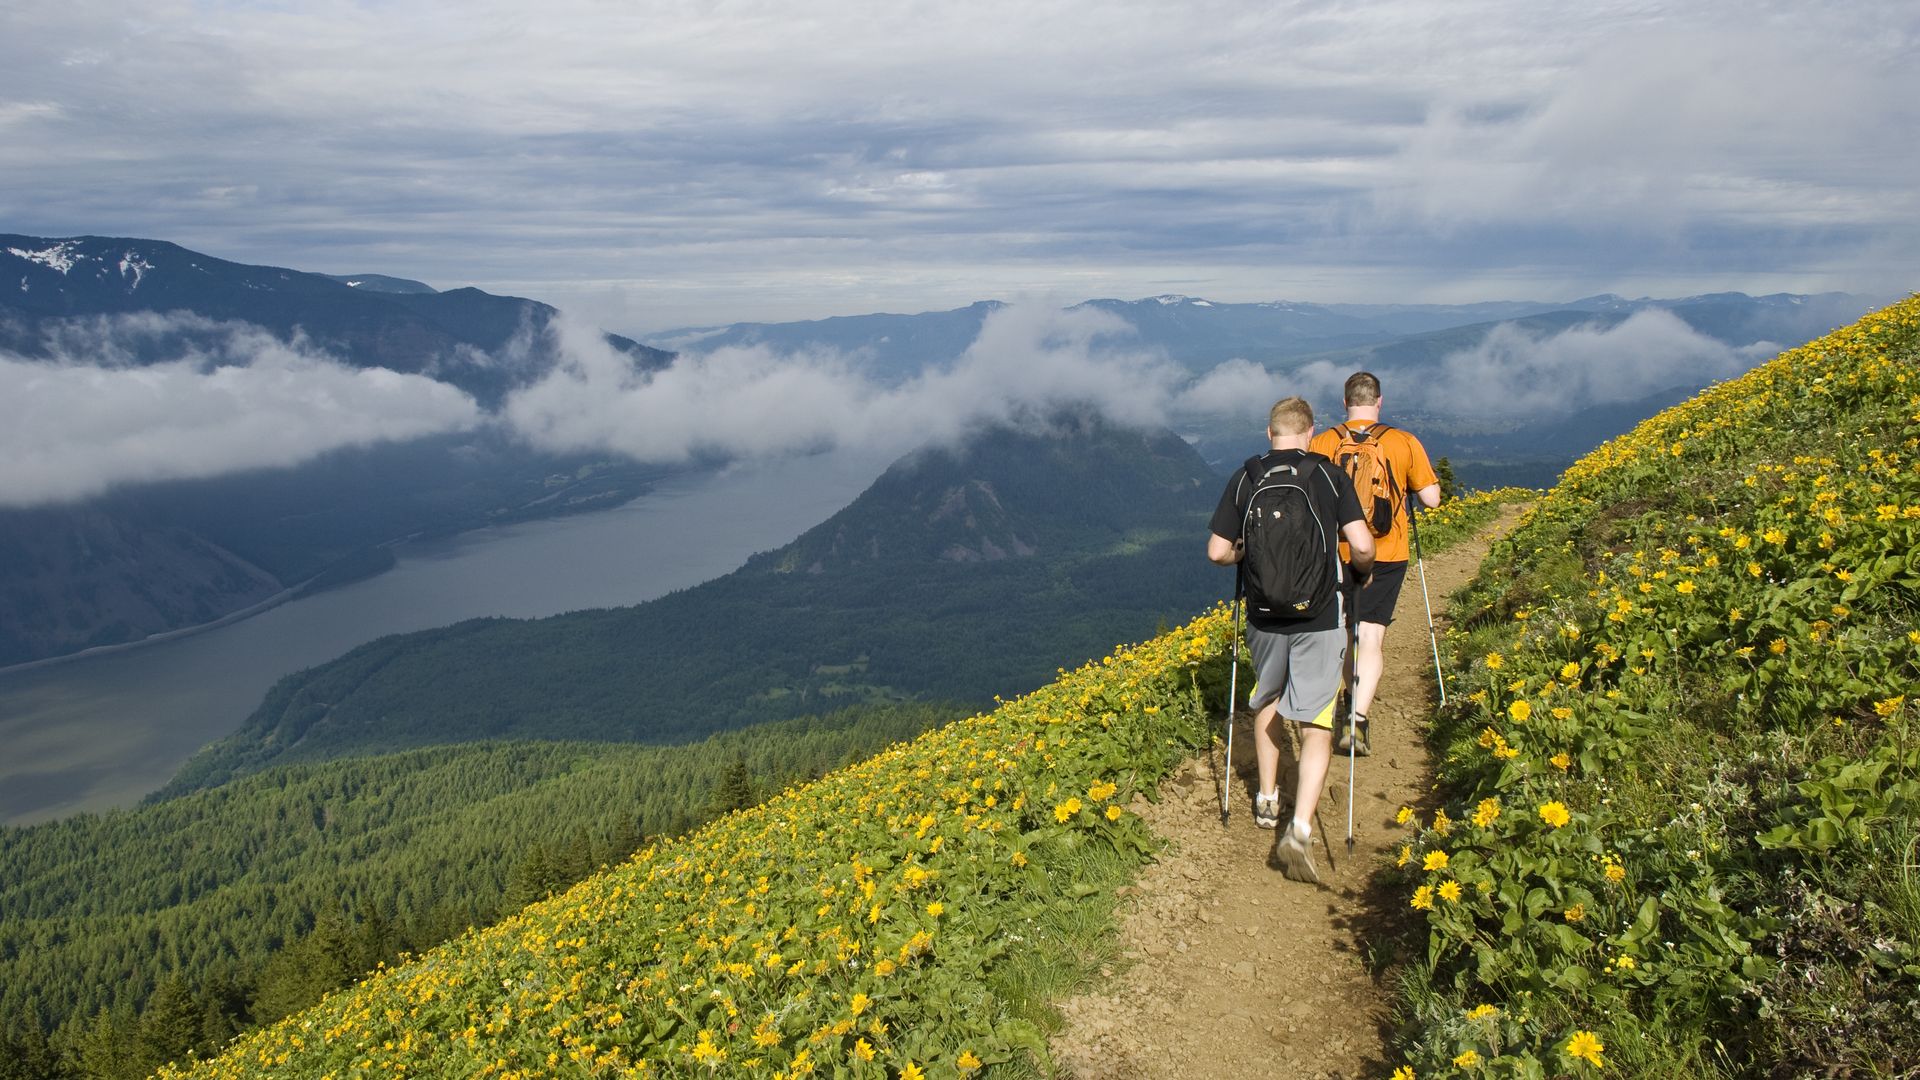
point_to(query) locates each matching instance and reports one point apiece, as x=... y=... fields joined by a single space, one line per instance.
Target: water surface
x=104 y=730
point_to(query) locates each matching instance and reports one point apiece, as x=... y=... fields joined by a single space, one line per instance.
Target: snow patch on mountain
x=61 y=257
x=132 y=263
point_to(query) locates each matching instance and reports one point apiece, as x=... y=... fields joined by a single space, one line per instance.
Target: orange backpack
x=1364 y=458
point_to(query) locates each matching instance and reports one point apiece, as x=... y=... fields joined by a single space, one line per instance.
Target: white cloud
x=1515 y=372
x=752 y=402
x=73 y=427
x=740 y=159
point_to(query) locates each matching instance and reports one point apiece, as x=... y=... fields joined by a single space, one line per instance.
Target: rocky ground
x=1230 y=970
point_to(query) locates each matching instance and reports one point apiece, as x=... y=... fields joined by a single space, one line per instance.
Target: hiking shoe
x=1353 y=736
x=1266 y=811
x=1293 y=851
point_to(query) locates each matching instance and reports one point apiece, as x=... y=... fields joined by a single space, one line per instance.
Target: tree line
x=131 y=938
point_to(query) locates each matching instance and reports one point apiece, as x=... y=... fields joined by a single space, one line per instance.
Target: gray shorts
x=1301 y=671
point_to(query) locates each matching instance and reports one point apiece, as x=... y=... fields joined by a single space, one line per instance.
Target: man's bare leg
x=1266 y=747
x=1369 y=663
x=1293 y=845
x=1316 y=755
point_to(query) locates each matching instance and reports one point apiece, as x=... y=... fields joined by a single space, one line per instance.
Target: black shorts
x=1374 y=601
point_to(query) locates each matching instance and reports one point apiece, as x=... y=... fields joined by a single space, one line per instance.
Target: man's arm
x=1359 y=547
x=1223 y=551
x=1421 y=478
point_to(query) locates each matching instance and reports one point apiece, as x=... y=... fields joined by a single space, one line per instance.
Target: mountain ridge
x=820 y=623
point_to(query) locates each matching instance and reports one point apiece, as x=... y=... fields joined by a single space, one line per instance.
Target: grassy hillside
x=1681 y=784
x=99 y=911
x=891 y=919
x=908 y=916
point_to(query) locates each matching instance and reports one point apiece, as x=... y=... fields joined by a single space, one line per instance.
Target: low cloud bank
x=75 y=425
x=754 y=402
x=238 y=399
x=1516 y=373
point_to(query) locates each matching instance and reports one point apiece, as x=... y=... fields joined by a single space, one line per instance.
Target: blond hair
x=1290 y=416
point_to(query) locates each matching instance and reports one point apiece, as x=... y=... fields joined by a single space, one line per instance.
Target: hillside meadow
x=909 y=915
x=1674 y=833
x=1681 y=786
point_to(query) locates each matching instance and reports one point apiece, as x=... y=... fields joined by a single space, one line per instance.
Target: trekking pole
x=1413 y=521
x=1353 y=737
x=1233 y=702
x=1350 y=756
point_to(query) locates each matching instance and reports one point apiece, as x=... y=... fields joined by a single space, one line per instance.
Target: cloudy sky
x=675 y=163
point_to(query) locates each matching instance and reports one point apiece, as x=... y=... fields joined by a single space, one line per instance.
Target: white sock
x=1306 y=829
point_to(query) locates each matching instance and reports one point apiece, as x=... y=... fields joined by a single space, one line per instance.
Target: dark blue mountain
x=151 y=558
x=381 y=283
x=1199 y=333
x=487 y=345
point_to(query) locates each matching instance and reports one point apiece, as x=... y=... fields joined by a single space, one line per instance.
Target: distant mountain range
x=153 y=558
x=486 y=345
x=1199 y=333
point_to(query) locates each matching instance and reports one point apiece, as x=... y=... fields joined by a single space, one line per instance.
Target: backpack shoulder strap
x=1371 y=434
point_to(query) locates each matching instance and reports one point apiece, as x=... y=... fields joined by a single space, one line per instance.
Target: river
x=102 y=731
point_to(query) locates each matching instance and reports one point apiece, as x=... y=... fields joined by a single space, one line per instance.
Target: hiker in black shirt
x=1299 y=651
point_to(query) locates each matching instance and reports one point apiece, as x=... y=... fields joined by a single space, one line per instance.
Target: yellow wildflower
x=1586 y=1046
x=1555 y=814
x=1422 y=898
x=1487 y=812
x=1561 y=761
x=1467 y=1059
x=968 y=1061
x=1436 y=860
x=1449 y=891
x=1520 y=711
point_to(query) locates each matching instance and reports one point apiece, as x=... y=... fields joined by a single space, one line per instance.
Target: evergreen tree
x=1444 y=470
x=25 y=1054
x=735 y=789
x=169 y=1028
x=102 y=1048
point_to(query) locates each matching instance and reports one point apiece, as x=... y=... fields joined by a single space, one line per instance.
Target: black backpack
x=1289 y=571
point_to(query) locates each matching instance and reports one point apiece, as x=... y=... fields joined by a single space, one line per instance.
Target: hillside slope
x=97 y=911
x=1681 y=784
x=959 y=575
x=1679 y=792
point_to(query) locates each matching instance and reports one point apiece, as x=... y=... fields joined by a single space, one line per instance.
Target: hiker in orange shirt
x=1387 y=464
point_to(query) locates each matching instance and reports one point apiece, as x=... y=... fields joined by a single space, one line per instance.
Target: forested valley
x=133 y=938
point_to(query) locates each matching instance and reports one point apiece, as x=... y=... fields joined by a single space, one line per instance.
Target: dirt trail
x=1231 y=970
